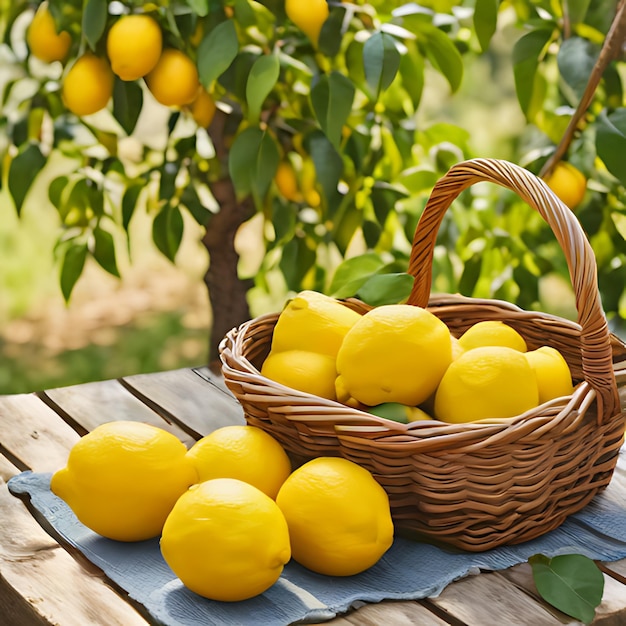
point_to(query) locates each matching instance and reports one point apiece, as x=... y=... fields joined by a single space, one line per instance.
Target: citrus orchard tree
x=303 y=117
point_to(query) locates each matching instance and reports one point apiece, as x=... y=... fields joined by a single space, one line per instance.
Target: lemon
x=123 y=478
x=338 y=516
x=203 y=108
x=44 y=41
x=287 y=182
x=174 y=79
x=88 y=85
x=308 y=16
x=486 y=382
x=226 y=540
x=313 y=322
x=457 y=348
x=243 y=452
x=553 y=374
x=492 y=333
x=134 y=46
x=394 y=353
x=568 y=183
x=310 y=372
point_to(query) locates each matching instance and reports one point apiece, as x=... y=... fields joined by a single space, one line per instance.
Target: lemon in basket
x=394 y=353
x=313 y=322
x=226 y=540
x=243 y=452
x=123 y=478
x=311 y=372
x=553 y=374
x=486 y=382
x=492 y=333
x=338 y=516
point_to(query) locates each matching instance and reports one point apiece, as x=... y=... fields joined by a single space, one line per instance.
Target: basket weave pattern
x=482 y=484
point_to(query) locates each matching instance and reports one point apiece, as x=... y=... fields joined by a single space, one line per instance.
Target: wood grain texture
x=396 y=613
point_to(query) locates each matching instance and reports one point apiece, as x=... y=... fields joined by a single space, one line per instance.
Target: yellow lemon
x=43 y=39
x=310 y=372
x=88 y=85
x=243 y=452
x=226 y=540
x=313 y=322
x=553 y=374
x=568 y=183
x=123 y=478
x=287 y=182
x=308 y=16
x=394 y=353
x=203 y=108
x=134 y=46
x=338 y=516
x=457 y=348
x=486 y=382
x=492 y=333
x=174 y=80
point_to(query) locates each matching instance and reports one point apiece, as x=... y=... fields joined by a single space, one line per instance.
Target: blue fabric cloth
x=408 y=571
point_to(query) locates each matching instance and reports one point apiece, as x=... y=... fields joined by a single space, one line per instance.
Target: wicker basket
x=482 y=484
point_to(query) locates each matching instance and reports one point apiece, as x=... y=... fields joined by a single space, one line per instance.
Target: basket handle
x=595 y=340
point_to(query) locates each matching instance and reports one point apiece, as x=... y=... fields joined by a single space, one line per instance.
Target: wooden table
x=43 y=582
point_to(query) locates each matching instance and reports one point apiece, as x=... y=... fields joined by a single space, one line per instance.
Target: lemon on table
x=226 y=540
x=394 y=353
x=492 y=333
x=303 y=370
x=554 y=378
x=313 y=322
x=243 y=452
x=123 y=478
x=457 y=348
x=134 y=45
x=338 y=516
x=486 y=382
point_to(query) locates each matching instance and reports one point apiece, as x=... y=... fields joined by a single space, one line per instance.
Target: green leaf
x=127 y=103
x=391 y=411
x=576 y=58
x=386 y=289
x=72 y=267
x=353 y=273
x=198 y=211
x=94 y=21
x=571 y=582
x=485 y=21
x=332 y=98
x=129 y=203
x=261 y=81
x=252 y=162
x=167 y=230
x=217 y=51
x=328 y=163
x=201 y=7
x=381 y=61
x=443 y=55
x=297 y=259
x=611 y=142
x=526 y=53
x=56 y=189
x=412 y=73
x=577 y=10
x=329 y=42
x=104 y=251
x=23 y=170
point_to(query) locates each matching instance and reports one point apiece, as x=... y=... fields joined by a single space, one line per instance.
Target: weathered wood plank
x=183 y=396
x=490 y=600
x=211 y=377
x=617 y=569
x=92 y=404
x=398 y=613
x=41 y=583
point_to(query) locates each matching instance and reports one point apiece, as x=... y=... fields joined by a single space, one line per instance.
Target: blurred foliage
x=338 y=117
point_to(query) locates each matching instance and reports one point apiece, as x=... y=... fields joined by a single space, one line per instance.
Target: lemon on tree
x=174 y=79
x=203 y=108
x=338 y=516
x=492 y=333
x=308 y=16
x=243 y=452
x=44 y=41
x=123 y=478
x=226 y=540
x=568 y=183
x=88 y=85
x=304 y=370
x=134 y=45
x=394 y=353
x=554 y=378
x=486 y=382
x=287 y=182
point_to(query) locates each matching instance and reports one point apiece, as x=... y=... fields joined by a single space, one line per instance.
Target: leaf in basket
x=571 y=582
x=386 y=289
x=353 y=273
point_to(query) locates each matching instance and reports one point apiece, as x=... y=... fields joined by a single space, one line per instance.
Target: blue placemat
x=409 y=571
